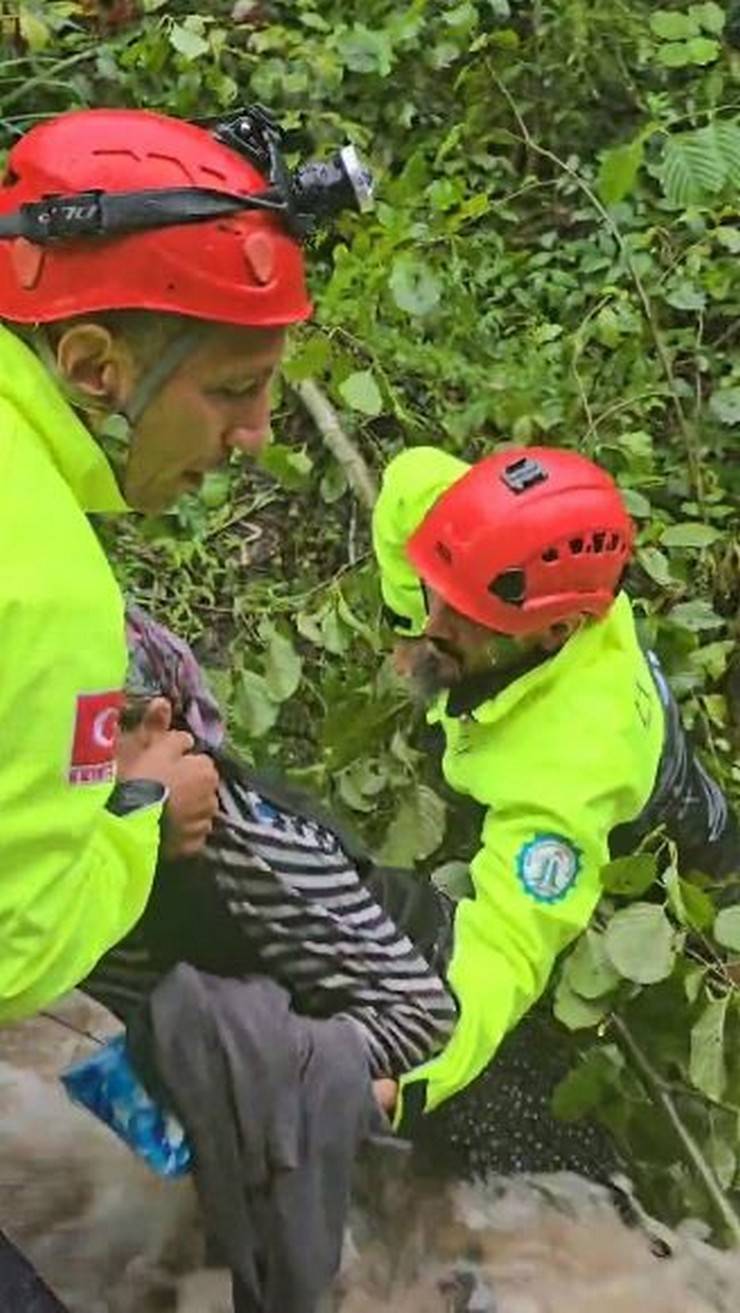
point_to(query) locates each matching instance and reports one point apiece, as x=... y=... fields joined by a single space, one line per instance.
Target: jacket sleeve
x=536 y=881
x=74 y=877
x=411 y=484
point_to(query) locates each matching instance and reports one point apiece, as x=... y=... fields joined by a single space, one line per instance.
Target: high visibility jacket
x=559 y=758
x=73 y=877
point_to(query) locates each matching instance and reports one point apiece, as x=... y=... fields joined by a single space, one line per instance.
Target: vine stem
x=341 y=446
x=42 y=79
x=687 y=432
x=661 y=1095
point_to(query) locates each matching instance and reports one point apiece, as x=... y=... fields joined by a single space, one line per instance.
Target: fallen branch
x=342 y=448
x=661 y=1094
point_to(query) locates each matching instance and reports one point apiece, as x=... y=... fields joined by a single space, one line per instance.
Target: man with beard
x=503 y=583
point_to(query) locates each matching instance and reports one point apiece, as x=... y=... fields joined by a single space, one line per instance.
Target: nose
x=248 y=430
x=250 y=441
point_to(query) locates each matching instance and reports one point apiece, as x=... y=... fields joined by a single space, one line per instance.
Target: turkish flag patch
x=93 y=758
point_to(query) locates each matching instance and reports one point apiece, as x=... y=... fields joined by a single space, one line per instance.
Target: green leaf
x=283 y=667
x=724 y=404
x=710 y=16
x=583 y=1089
x=629 y=876
x=655 y=563
x=640 y=942
x=672 y=26
x=689 y=535
x=685 y=296
x=188 y=43
x=255 y=709
x=291 y=466
x=692 y=168
x=414 y=287
x=588 y=970
x=690 y=905
x=726 y=138
x=637 y=504
x=729 y=238
x=675 y=55
x=702 y=50
x=695 y=615
x=619 y=169
x=366 y=51
x=33 y=30
x=362 y=393
x=574 y=1012
x=707 y=1070
x=417 y=830
x=727 y=928
x=453 y=878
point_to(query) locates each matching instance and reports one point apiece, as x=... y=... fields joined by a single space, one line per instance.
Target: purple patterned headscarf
x=161 y=665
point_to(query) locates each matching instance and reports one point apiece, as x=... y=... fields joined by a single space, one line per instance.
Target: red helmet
x=527 y=538
x=244 y=268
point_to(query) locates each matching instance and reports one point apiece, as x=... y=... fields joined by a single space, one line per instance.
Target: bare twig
x=342 y=448
x=687 y=431
x=661 y=1094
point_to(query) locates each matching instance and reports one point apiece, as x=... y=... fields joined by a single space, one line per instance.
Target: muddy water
x=111 y=1238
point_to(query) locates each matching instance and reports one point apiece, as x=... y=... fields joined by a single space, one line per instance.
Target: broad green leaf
x=619 y=169
x=702 y=50
x=333 y=484
x=414 y=287
x=453 y=878
x=655 y=563
x=672 y=26
x=417 y=830
x=216 y=489
x=588 y=970
x=729 y=238
x=637 y=504
x=692 y=168
x=583 y=1088
x=362 y=393
x=690 y=905
x=188 y=43
x=291 y=466
x=366 y=51
x=283 y=667
x=308 y=358
x=726 y=138
x=33 y=30
x=690 y=535
x=335 y=636
x=685 y=296
x=727 y=928
x=695 y=615
x=724 y=403
x=463 y=16
x=255 y=709
x=707 y=1069
x=693 y=982
x=675 y=54
x=640 y=942
x=629 y=876
x=574 y=1012
x=710 y=16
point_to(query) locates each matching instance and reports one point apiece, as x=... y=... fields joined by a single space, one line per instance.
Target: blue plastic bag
x=107 y=1085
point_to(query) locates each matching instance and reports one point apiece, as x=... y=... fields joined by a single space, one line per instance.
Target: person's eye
x=236 y=391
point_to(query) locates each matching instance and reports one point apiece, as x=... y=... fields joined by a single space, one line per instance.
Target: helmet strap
x=154 y=378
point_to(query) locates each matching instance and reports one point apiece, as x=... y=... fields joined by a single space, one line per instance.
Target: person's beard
x=433 y=666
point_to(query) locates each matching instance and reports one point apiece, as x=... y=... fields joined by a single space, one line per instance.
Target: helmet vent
x=443 y=552
x=509 y=587
x=552 y=554
x=10 y=178
x=576 y=546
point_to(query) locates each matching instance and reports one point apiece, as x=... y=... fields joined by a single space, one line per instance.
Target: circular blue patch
x=548 y=867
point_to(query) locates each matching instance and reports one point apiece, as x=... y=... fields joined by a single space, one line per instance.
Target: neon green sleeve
x=536 y=880
x=411 y=484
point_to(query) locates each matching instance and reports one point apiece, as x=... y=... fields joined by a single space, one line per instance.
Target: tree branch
x=661 y=1095
x=342 y=448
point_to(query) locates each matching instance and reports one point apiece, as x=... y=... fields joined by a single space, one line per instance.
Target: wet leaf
x=641 y=943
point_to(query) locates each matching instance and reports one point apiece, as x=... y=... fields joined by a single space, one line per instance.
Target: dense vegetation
x=553 y=254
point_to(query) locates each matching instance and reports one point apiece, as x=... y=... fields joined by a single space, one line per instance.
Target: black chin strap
x=105 y=214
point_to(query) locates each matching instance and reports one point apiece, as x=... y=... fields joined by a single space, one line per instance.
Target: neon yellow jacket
x=73 y=877
x=560 y=757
